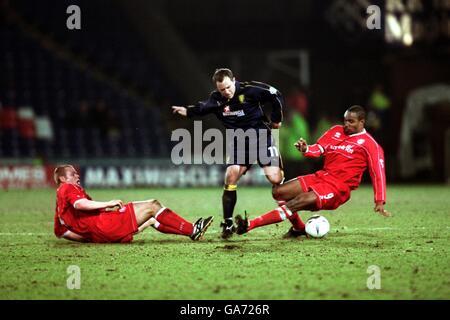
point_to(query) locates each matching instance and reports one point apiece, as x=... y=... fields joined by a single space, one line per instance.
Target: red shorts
x=330 y=193
x=115 y=226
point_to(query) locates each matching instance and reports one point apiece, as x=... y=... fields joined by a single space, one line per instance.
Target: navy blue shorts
x=253 y=145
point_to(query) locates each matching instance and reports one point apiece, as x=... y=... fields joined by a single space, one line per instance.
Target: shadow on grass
x=337 y=240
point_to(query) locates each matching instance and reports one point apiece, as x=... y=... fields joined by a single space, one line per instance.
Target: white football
x=317 y=226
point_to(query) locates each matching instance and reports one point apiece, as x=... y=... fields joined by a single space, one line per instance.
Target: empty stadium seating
x=35 y=76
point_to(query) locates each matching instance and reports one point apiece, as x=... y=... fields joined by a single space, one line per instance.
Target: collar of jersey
x=357 y=134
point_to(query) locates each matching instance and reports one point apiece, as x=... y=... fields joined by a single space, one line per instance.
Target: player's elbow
x=81 y=204
x=72 y=236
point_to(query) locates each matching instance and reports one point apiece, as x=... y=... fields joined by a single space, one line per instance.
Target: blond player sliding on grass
x=348 y=150
x=79 y=218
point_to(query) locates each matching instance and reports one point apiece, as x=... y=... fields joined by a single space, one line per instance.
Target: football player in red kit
x=79 y=218
x=348 y=150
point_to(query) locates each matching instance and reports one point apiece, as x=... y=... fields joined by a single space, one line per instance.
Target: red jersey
x=348 y=156
x=69 y=218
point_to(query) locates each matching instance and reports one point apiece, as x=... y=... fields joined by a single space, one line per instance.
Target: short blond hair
x=220 y=74
x=60 y=171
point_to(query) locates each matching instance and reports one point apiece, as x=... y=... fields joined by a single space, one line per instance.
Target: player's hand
x=179 y=110
x=379 y=207
x=276 y=125
x=301 y=145
x=114 y=204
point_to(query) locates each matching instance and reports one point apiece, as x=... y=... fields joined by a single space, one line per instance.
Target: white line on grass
x=25 y=234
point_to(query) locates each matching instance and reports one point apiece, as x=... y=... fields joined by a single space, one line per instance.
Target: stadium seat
x=37 y=77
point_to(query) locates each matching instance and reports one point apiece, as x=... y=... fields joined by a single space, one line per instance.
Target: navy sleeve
x=270 y=94
x=203 y=107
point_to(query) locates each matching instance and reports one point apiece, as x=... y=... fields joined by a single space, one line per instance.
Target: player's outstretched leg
x=274 y=216
x=169 y=218
x=199 y=228
x=284 y=193
x=303 y=201
x=169 y=230
x=170 y=222
x=152 y=213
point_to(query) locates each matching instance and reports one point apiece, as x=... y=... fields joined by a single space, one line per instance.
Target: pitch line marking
x=25 y=233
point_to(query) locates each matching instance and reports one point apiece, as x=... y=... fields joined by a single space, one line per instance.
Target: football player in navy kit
x=238 y=105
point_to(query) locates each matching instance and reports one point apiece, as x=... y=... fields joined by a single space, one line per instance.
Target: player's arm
x=200 y=109
x=276 y=116
x=79 y=201
x=190 y=111
x=317 y=149
x=270 y=94
x=72 y=236
x=87 y=205
x=310 y=151
x=377 y=174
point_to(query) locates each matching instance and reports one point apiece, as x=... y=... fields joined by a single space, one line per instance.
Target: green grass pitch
x=411 y=250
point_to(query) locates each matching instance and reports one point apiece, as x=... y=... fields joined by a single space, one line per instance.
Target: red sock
x=296 y=221
x=270 y=217
x=171 y=219
x=166 y=229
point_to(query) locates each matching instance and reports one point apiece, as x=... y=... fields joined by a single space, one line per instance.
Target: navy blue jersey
x=244 y=110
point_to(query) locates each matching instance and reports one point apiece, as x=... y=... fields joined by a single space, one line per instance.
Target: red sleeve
x=59 y=229
x=313 y=151
x=377 y=171
x=73 y=194
x=317 y=149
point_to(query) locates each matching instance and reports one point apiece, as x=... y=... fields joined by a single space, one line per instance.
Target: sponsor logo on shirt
x=347 y=148
x=227 y=112
x=337 y=135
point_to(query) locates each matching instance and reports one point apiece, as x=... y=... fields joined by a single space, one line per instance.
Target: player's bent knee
x=231 y=179
x=276 y=179
x=154 y=205
x=307 y=200
x=277 y=194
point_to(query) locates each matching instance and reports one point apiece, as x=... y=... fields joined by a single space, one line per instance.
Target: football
x=317 y=226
